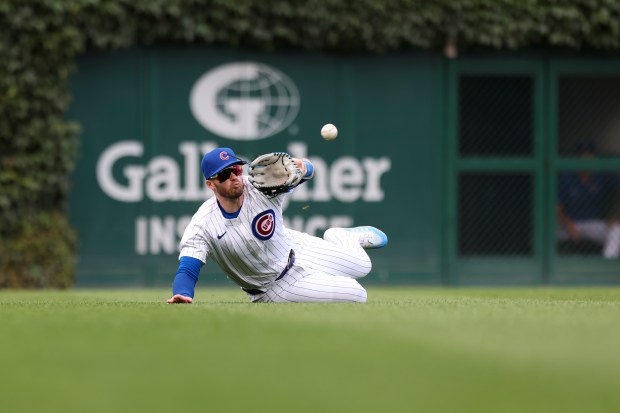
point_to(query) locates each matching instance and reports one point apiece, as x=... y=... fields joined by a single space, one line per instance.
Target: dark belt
x=289 y=264
x=253 y=291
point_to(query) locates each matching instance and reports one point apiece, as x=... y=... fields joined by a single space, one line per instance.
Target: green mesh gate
x=521 y=136
x=495 y=186
x=584 y=100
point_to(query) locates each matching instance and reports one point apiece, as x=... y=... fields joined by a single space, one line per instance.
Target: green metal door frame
x=545 y=265
x=578 y=269
x=496 y=270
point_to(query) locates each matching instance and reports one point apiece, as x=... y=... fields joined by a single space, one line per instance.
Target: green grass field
x=407 y=349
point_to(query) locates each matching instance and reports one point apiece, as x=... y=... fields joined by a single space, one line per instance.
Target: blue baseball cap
x=218 y=159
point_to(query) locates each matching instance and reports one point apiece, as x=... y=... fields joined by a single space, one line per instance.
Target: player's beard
x=231 y=191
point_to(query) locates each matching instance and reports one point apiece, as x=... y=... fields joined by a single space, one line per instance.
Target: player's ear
x=209 y=184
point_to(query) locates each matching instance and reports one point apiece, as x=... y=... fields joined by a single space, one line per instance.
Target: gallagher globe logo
x=244 y=101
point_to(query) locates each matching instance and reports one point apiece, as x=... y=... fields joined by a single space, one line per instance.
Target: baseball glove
x=274 y=173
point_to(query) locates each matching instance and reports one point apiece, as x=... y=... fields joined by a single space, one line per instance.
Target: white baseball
x=329 y=132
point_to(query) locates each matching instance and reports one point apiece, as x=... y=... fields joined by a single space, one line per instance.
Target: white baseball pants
x=600 y=232
x=325 y=270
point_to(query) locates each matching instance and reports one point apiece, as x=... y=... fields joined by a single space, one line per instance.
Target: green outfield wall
x=137 y=180
x=456 y=160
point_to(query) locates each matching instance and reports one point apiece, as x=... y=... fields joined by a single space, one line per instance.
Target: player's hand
x=301 y=165
x=180 y=299
x=573 y=232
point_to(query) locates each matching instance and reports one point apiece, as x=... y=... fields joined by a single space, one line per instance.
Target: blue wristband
x=309 y=171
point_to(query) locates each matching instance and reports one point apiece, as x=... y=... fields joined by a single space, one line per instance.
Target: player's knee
x=330 y=234
x=364 y=266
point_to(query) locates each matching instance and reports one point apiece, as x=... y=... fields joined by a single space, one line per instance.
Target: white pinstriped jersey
x=252 y=248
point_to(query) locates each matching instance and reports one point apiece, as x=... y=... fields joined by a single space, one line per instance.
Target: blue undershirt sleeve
x=186 y=276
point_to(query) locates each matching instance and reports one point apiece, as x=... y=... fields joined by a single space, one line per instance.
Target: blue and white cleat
x=369 y=237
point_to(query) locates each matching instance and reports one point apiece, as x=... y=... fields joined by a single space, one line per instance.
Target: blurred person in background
x=583 y=208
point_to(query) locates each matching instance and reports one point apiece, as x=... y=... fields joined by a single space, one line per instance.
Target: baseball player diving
x=241 y=229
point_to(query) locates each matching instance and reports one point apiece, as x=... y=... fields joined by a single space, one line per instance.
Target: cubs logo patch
x=264 y=225
x=224 y=156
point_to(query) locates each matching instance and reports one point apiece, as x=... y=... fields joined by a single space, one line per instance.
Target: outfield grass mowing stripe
x=407 y=349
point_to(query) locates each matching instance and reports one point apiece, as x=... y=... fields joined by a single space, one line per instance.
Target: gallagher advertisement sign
x=148 y=116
